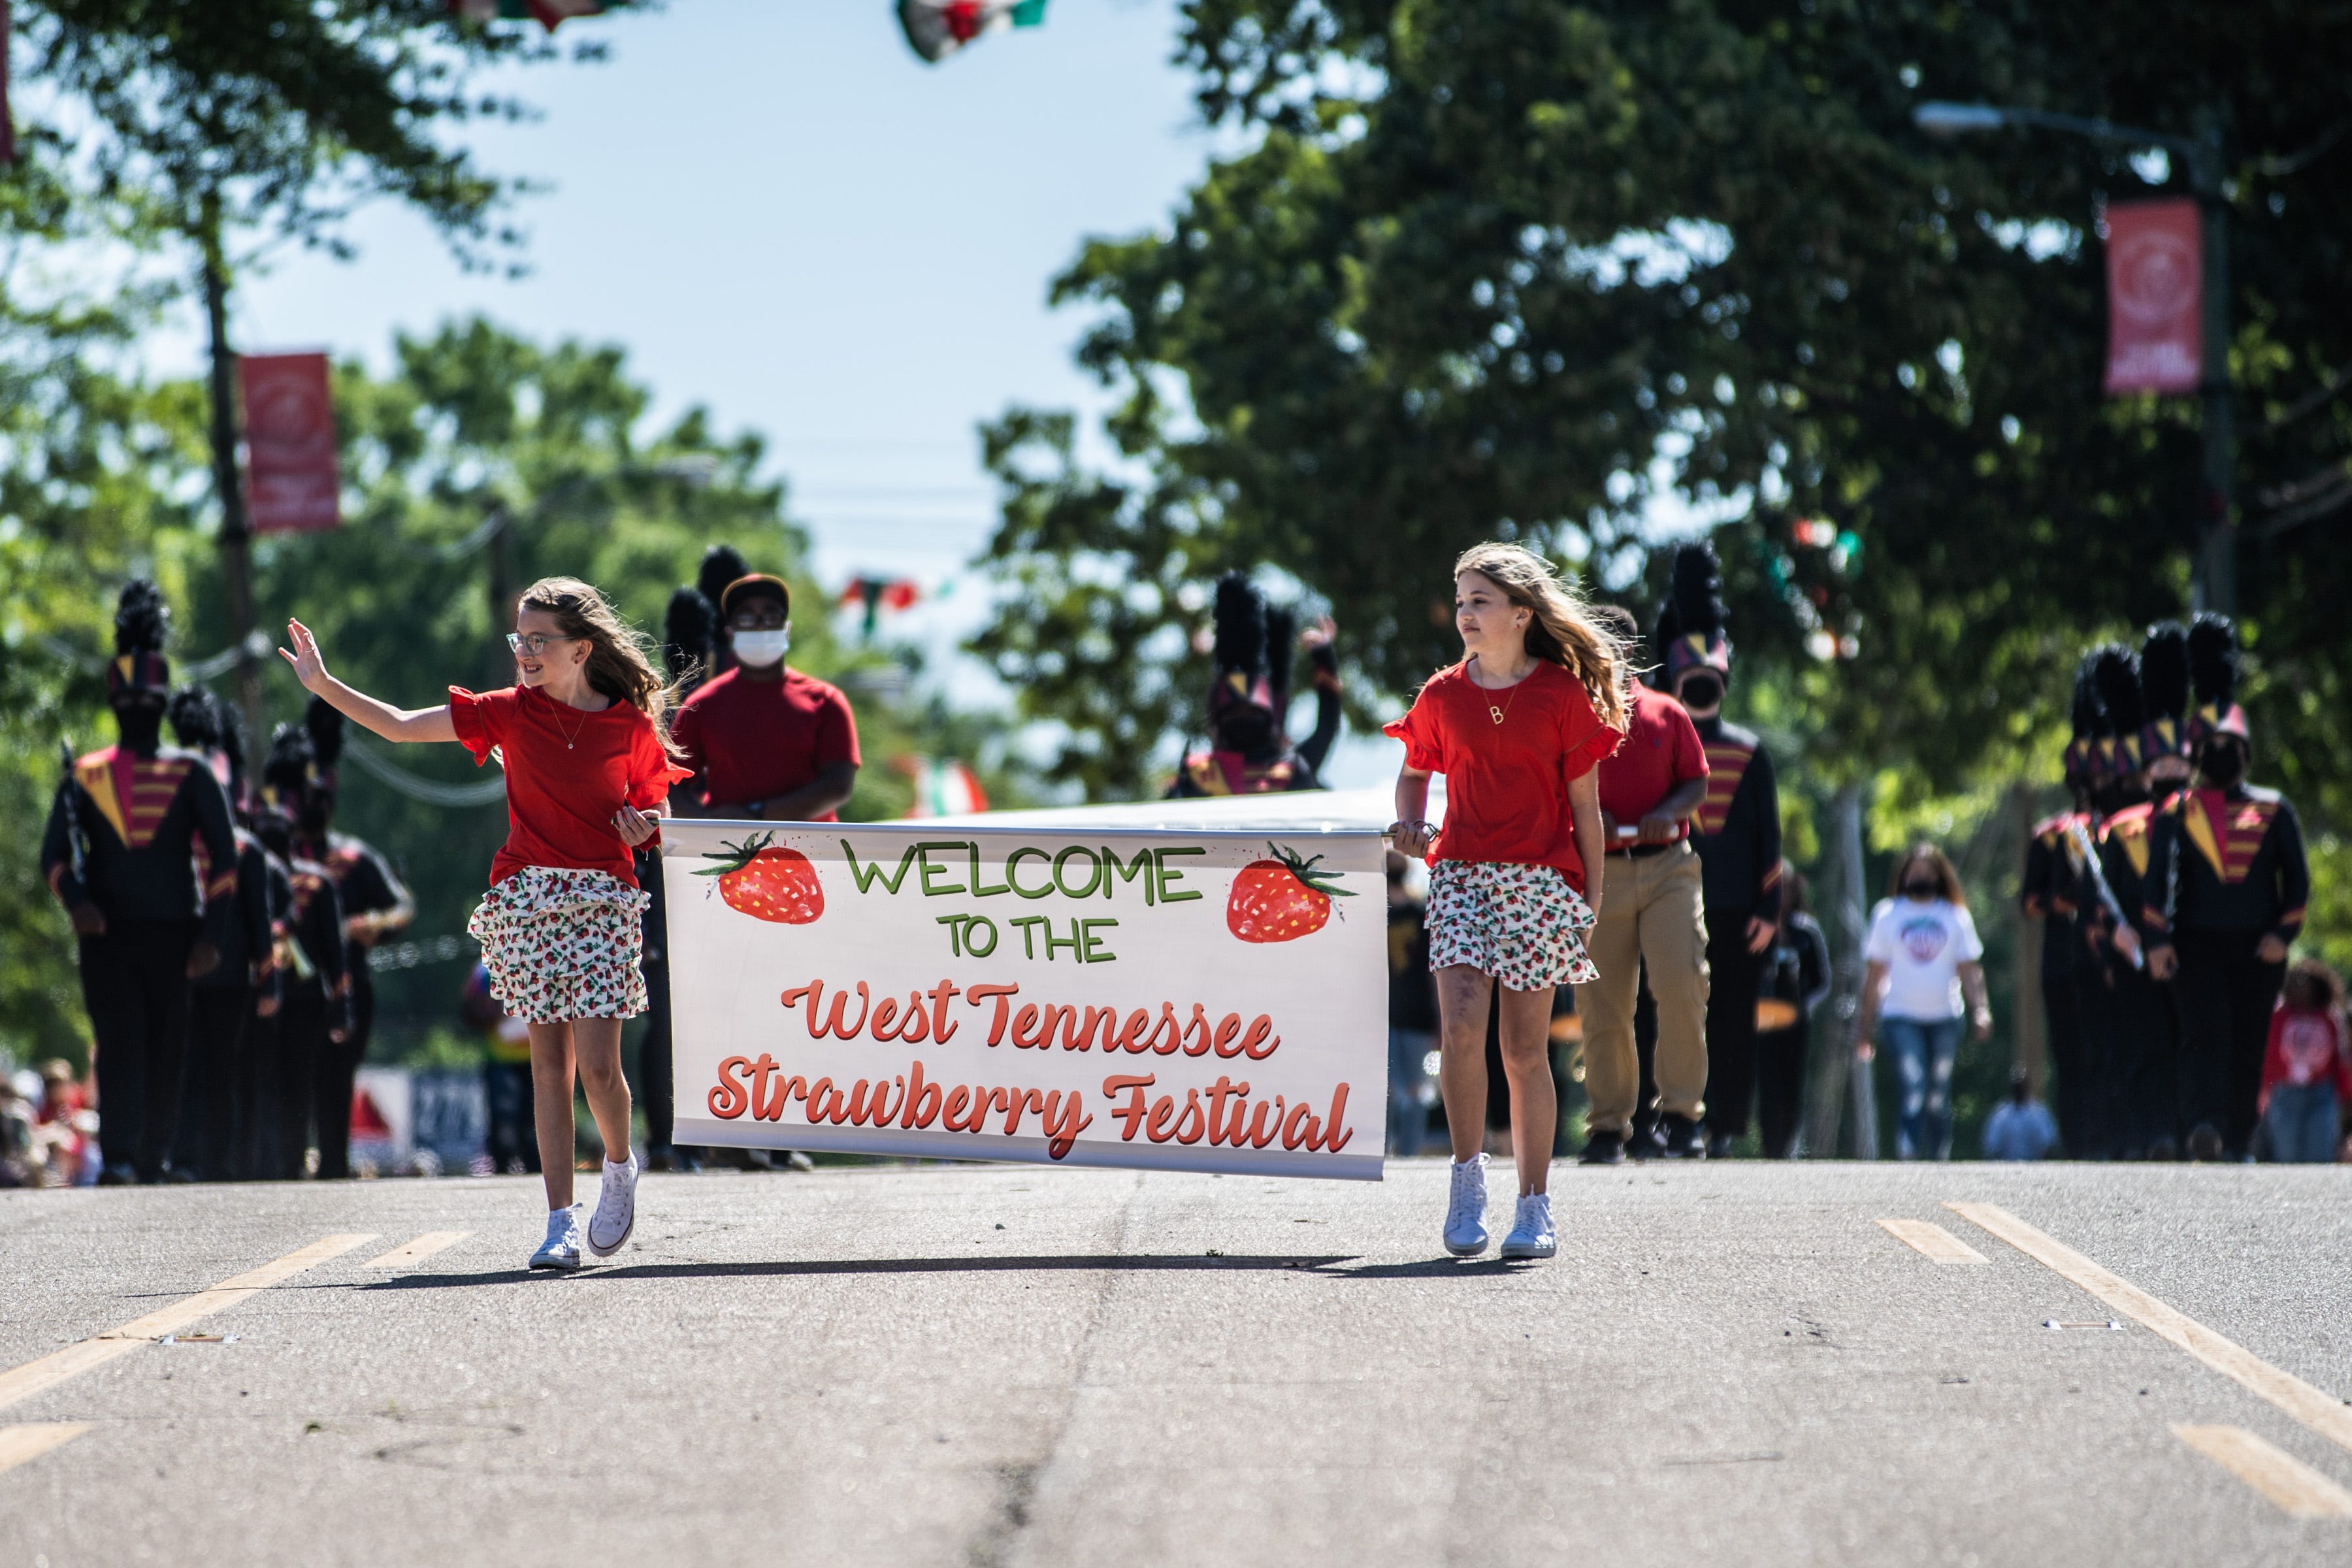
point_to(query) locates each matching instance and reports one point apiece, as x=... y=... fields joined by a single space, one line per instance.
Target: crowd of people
x=223 y=924
x=2171 y=896
x=1611 y=854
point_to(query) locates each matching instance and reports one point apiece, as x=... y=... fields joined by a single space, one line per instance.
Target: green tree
x=1505 y=269
x=482 y=462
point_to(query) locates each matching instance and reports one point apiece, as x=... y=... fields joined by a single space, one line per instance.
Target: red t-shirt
x=568 y=771
x=1506 y=783
x=1661 y=751
x=755 y=740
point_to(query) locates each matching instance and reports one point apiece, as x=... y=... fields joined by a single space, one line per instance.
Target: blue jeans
x=1408 y=1105
x=2302 y=1123
x=1923 y=1050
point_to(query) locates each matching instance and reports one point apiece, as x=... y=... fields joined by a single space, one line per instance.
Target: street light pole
x=2214 y=582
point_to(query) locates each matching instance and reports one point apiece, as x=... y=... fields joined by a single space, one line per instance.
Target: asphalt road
x=1732 y=1363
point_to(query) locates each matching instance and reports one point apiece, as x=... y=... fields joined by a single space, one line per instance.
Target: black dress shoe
x=118 y=1176
x=1718 y=1145
x=1603 y=1148
x=1683 y=1140
x=2204 y=1143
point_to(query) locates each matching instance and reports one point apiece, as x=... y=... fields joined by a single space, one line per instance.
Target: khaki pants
x=1651 y=908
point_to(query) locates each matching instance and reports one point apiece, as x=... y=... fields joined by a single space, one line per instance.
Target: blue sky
x=781 y=213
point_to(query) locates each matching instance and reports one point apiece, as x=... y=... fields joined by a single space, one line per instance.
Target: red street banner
x=291 y=482
x=2156 y=325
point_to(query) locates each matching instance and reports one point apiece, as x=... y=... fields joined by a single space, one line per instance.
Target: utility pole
x=2216 y=580
x=236 y=534
x=502 y=595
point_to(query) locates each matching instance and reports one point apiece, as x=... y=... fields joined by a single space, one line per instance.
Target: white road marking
x=1933 y=1239
x=2321 y=1411
x=30 y=1441
x=35 y=1376
x=2272 y=1471
x=418 y=1250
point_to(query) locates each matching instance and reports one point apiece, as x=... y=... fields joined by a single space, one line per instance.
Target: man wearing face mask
x=119 y=852
x=1737 y=832
x=764 y=740
x=2227 y=882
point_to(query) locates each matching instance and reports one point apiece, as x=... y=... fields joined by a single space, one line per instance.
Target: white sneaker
x=1466 y=1210
x=561 y=1251
x=617 y=1210
x=1531 y=1234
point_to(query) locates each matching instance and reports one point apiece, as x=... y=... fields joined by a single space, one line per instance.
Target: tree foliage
x=1506 y=270
x=474 y=424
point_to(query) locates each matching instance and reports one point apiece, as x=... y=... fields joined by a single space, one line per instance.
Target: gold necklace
x=574 y=736
x=1499 y=714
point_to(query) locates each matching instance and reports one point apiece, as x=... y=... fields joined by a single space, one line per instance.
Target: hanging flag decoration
x=937 y=29
x=876 y=595
x=944 y=786
x=2156 y=297
x=292 y=484
x=548 y=14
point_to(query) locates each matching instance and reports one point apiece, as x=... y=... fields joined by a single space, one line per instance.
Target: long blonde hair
x=618 y=664
x=1562 y=632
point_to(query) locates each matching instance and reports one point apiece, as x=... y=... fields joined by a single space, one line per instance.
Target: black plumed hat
x=2213 y=679
x=326 y=727
x=2115 y=669
x=1239 y=651
x=293 y=762
x=2164 y=685
x=689 y=633
x=196 y=718
x=1690 y=632
x=721 y=565
x=2086 y=720
x=141 y=622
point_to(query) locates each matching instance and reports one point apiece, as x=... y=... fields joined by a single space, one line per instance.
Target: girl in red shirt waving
x=1517 y=728
x=588 y=775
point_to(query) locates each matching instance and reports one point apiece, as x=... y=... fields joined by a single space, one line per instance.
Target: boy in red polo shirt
x=764 y=740
x=1652 y=912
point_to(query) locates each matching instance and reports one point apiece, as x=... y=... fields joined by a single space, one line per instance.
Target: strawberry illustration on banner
x=767 y=883
x=1283 y=898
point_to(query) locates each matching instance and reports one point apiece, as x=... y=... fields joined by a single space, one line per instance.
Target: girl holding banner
x=1518 y=728
x=583 y=740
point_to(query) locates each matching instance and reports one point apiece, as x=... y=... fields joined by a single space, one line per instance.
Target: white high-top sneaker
x=561 y=1251
x=1465 y=1209
x=617 y=1210
x=1531 y=1234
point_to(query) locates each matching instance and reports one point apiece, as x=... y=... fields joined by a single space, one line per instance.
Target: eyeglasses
x=535 y=643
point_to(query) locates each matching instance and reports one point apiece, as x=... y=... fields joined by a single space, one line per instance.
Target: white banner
x=1168 y=1000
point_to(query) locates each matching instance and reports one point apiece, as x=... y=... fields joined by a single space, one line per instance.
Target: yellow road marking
x=18 y=1444
x=417 y=1251
x=2276 y=1474
x=1928 y=1237
x=34 y=1376
x=2320 y=1412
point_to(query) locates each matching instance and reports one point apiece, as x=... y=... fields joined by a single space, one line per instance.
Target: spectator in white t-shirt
x=1922 y=957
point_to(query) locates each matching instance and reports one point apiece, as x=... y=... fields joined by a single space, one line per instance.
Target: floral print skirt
x=562 y=944
x=1522 y=925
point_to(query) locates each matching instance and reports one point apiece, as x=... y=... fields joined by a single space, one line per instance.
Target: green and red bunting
x=944 y=786
x=937 y=29
x=548 y=14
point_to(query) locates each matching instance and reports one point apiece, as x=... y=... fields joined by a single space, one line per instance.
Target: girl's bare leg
x=550 y=1088
x=1463 y=995
x=597 y=1044
x=1534 y=1102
